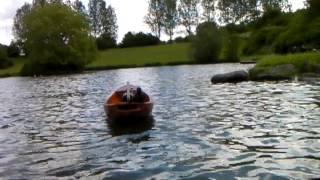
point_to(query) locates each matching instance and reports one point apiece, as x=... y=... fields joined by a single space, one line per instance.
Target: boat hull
x=118 y=108
x=128 y=111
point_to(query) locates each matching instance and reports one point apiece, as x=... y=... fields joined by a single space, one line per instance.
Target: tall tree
x=39 y=2
x=235 y=11
x=19 y=24
x=242 y=11
x=208 y=7
x=170 y=17
x=313 y=7
x=78 y=6
x=102 y=19
x=95 y=16
x=276 y=4
x=57 y=39
x=155 y=17
x=109 y=23
x=189 y=14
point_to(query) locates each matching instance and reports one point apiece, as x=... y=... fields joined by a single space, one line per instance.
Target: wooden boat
x=117 y=108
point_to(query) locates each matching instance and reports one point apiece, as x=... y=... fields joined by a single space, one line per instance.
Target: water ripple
x=55 y=127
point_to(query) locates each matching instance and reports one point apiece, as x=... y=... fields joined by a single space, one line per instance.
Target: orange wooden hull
x=127 y=111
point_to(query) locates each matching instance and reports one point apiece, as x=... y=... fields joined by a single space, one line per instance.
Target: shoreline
x=116 y=67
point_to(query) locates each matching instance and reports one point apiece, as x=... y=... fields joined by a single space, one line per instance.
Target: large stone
x=280 y=72
x=233 y=77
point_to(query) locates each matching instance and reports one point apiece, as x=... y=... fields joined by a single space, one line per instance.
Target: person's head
x=139 y=90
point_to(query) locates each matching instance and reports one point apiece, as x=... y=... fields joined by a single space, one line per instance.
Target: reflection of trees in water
x=130 y=126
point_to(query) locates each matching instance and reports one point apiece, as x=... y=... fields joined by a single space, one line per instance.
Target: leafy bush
x=207 y=44
x=58 y=40
x=313 y=7
x=231 y=51
x=105 y=41
x=302 y=34
x=262 y=39
x=139 y=39
x=4 y=60
x=272 y=17
x=235 y=28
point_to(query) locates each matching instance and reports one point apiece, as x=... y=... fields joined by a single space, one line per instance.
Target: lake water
x=55 y=127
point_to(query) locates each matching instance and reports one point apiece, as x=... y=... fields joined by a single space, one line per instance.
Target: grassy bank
x=302 y=61
x=142 y=56
x=13 y=70
x=284 y=67
x=125 y=58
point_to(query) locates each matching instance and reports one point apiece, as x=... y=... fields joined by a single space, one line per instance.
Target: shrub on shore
x=139 y=39
x=207 y=43
x=231 y=49
x=57 y=40
x=105 y=41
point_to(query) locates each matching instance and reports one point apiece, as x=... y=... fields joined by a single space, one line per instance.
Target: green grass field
x=128 y=57
x=142 y=56
x=13 y=70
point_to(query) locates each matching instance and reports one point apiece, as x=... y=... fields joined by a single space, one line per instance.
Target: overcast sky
x=130 y=14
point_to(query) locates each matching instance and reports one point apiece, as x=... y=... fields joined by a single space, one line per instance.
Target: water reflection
x=130 y=126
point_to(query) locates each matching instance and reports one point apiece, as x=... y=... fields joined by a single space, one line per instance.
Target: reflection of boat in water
x=128 y=102
x=118 y=128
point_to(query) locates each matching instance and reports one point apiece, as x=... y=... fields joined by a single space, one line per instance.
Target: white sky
x=130 y=14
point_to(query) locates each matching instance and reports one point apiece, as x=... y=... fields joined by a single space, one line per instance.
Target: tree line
x=166 y=15
x=276 y=30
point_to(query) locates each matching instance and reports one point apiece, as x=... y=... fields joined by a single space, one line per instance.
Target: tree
x=78 y=6
x=4 y=60
x=188 y=14
x=207 y=44
x=57 y=40
x=103 y=20
x=231 y=52
x=237 y=11
x=39 y=3
x=13 y=49
x=109 y=23
x=95 y=7
x=19 y=23
x=105 y=41
x=139 y=39
x=244 y=11
x=208 y=7
x=155 y=17
x=276 y=4
x=170 y=17
x=313 y=7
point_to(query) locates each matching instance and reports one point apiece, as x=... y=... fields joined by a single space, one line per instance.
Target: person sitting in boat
x=139 y=96
x=128 y=96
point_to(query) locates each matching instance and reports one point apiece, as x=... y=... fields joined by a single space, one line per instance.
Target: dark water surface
x=55 y=127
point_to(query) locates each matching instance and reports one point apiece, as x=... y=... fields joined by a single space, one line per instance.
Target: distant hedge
x=139 y=39
x=105 y=41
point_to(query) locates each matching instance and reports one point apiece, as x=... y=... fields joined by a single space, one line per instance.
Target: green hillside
x=142 y=56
